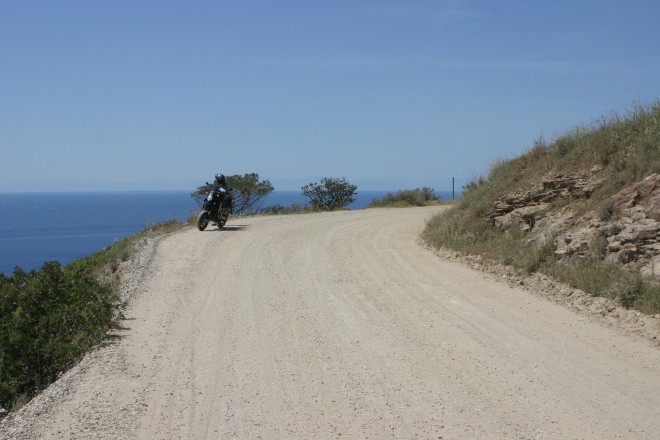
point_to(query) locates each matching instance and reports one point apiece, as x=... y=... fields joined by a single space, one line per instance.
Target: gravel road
x=341 y=325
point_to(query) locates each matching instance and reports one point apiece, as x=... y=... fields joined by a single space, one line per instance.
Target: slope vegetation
x=584 y=208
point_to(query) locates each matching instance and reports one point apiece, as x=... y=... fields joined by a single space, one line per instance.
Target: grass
x=600 y=278
x=625 y=148
x=285 y=210
x=103 y=264
x=406 y=198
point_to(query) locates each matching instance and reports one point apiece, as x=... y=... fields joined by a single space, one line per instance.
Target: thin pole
x=452 y=189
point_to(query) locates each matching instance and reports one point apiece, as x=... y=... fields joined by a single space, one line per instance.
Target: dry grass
x=406 y=198
x=627 y=148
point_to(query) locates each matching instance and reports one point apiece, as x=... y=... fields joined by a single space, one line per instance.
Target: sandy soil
x=341 y=325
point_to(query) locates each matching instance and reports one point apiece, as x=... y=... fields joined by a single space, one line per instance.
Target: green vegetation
x=51 y=317
x=627 y=148
x=405 y=198
x=330 y=194
x=247 y=190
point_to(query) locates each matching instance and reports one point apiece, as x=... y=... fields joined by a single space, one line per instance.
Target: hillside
x=584 y=209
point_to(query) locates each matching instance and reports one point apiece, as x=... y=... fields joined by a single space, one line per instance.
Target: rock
x=645 y=194
x=530 y=212
x=627 y=254
x=640 y=233
x=614 y=246
x=652 y=248
x=503 y=207
x=524 y=217
x=502 y=222
x=576 y=241
x=560 y=185
x=631 y=233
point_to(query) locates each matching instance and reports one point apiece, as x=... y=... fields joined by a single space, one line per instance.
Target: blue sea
x=40 y=227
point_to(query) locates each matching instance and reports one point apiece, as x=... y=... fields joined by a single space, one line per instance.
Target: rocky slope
x=626 y=232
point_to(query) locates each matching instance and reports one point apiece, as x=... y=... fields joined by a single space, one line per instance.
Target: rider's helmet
x=220 y=179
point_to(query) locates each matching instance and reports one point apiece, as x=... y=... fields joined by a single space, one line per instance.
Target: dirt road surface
x=341 y=325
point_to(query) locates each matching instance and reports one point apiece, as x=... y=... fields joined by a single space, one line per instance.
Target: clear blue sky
x=138 y=95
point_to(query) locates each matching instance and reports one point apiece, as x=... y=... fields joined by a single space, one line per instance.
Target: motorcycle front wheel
x=202 y=220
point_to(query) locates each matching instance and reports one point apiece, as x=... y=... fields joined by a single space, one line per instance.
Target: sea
x=40 y=227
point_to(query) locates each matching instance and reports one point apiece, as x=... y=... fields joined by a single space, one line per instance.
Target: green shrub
x=628 y=293
x=48 y=319
x=51 y=317
x=330 y=193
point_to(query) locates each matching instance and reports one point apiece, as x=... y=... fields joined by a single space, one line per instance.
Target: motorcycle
x=217 y=206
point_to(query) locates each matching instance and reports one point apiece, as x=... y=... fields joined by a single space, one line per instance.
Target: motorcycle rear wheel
x=202 y=220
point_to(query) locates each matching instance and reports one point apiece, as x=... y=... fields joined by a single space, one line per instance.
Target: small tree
x=248 y=191
x=330 y=193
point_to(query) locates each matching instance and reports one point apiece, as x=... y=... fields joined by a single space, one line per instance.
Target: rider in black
x=221 y=182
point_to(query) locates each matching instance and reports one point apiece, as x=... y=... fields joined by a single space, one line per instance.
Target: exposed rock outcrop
x=633 y=234
x=522 y=209
x=640 y=199
x=629 y=237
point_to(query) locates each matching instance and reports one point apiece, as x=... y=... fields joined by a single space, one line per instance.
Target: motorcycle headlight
x=209 y=197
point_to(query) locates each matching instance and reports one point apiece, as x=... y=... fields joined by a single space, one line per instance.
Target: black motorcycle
x=217 y=207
